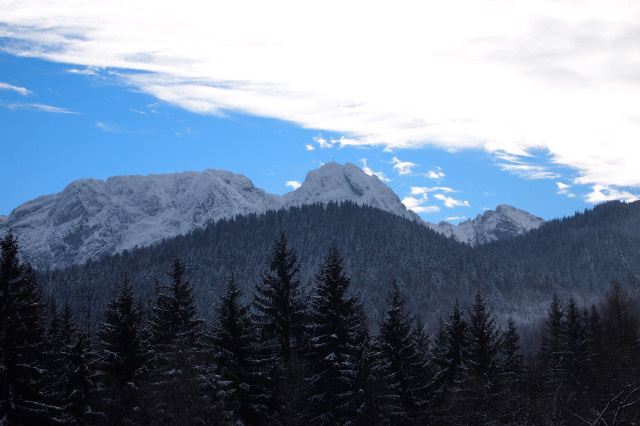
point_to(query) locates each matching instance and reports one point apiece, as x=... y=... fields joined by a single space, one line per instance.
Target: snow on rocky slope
x=493 y=225
x=335 y=182
x=91 y=218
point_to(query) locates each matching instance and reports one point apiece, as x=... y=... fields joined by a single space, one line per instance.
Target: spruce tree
x=336 y=345
x=278 y=304
x=278 y=315
x=22 y=350
x=398 y=360
x=184 y=389
x=123 y=358
x=234 y=344
x=482 y=383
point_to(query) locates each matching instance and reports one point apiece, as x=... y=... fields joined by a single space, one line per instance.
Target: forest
x=283 y=354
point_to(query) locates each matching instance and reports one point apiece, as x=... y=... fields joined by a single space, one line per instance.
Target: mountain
x=576 y=256
x=493 y=225
x=92 y=218
x=335 y=182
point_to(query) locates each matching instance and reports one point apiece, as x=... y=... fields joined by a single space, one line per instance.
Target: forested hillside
x=587 y=250
x=284 y=356
x=378 y=247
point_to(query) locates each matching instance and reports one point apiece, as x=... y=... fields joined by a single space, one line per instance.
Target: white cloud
x=370 y=172
x=451 y=202
x=417 y=205
x=21 y=90
x=602 y=193
x=310 y=147
x=435 y=174
x=38 y=107
x=457 y=218
x=293 y=184
x=109 y=128
x=563 y=189
x=403 y=167
x=417 y=190
x=322 y=142
x=504 y=76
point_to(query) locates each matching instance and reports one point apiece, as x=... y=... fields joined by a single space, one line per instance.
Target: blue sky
x=86 y=97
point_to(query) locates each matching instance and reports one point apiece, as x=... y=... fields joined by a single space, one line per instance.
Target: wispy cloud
x=37 y=107
x=437 y=174
x=602 y=193
x=293 y=184
x=418 y=205
x=309 y=147
x=370 y=172
x=451 y=202
x=457 y=218
x=109 y=128
x=403 y=167
x=535 y=77
x=20 y=90
x=322 y=142
x=563 y=189
x=417 y=190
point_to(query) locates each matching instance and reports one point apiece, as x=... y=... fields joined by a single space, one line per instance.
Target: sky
x=458 y=106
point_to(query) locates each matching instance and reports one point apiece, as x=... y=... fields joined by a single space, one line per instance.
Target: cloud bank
x=505 y=77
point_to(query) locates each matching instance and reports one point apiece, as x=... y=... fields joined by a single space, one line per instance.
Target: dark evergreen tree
x=482 y=384
x=552 y=348
x=398 y=361
x=484 y=341
x=279 y=306
x=511 y=406
x=575 y=347
x=80 y=385
x=336 y=346
x=184 y=389
x=279 y=317
x=22 y=328
x=234 y=344
x=123 y=359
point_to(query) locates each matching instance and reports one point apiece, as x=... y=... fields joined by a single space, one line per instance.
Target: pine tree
x=123 y=358
x=511 y=406
x=484 y=343
x=551 y=351
x=575 y=346
x=184 y=389
x=336 y=345
x=398 y=360
x=22 y=363
x=234 y=343
x=279 y=317
x=278 y=304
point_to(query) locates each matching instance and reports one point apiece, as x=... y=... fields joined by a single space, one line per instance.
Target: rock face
x=335 y=182
x=493 y=225
x=92 y=218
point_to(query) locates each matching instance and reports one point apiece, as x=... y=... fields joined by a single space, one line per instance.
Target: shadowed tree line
x=285 y=357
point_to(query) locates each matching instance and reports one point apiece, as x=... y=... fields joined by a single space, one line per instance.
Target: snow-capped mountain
x=335 y=182
x=91 y=218
x=493 y=225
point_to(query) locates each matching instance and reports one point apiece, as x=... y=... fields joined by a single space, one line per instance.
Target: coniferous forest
x=288 y=353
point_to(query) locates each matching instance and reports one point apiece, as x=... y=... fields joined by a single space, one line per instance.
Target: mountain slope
x=93 y=218
x=335 y=182
x=493 y=225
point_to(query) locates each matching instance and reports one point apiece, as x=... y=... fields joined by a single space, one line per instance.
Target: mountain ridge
x=92 y=218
